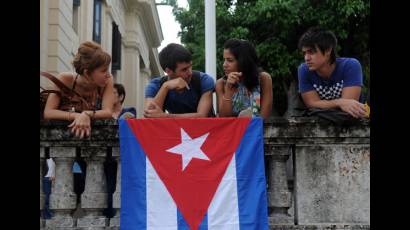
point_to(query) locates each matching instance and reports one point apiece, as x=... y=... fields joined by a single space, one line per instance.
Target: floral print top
x=243 y=99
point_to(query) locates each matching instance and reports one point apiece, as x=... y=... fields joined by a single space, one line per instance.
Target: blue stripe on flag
x=133 y=180
x=204 y=223
x=182 y=225
x=250 y=175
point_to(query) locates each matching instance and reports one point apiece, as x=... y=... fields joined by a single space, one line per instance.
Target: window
x=97 y=21
x=76 y=6
x=116 y=48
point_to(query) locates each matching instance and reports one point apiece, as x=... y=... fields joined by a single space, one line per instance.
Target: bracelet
x=68 y=117
x=90 y=116
x=226 y=99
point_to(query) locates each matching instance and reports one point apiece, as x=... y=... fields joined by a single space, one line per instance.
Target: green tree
x=274 y=27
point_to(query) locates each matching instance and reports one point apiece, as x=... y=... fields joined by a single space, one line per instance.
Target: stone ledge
x=319 y=227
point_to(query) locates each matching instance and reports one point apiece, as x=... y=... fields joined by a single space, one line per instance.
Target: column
x=115 y=221
x=42 y=154
x=94 y=197
x=62 y=198
x=279 y=196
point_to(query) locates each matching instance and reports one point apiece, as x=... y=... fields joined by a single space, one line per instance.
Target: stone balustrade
x=318 y=175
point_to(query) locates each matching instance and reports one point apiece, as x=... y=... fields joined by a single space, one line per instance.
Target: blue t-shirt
x=348 y=72
x=184 y=102
x=127 y=112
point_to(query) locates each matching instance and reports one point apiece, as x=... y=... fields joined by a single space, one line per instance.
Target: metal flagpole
x=210 y=42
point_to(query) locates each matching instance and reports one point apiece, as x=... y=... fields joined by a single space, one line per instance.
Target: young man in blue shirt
x=178 y=93
x=327 y=81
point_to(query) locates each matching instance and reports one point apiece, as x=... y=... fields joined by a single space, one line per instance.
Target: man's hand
x=154 y=111
x=353 y=107
x=177 y=84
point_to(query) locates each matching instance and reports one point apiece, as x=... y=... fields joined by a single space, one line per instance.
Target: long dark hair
x=248 y=62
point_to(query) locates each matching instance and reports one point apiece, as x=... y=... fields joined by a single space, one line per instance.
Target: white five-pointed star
x=189 y=148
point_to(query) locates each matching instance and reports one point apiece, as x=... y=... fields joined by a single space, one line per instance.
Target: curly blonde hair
x=89 y=57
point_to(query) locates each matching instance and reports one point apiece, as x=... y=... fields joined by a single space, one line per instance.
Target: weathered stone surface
x=42 y=155
x=92 y=221
x=331 y=175
x=115 y=221
x=95 y=195
x=117 y=194
x=116 y=151
x=66 y=200
x=94 y=200
x=42 y=223
x=62 y=152
x=333 y=184
x=62 y=192
x=319 y=227
x=60 y=221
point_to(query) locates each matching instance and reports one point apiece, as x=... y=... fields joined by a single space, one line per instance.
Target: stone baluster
x=62 y=198
x=115 y=221
x=42 y=155
x=94 y=197
x=279 y=196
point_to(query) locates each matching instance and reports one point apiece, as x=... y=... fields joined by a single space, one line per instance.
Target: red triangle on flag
x=193 y=187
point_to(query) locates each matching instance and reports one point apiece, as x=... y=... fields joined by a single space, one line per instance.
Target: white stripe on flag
x=161 y=208
x=223 y=211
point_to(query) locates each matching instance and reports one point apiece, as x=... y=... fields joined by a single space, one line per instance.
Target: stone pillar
x=94 y=197
x=115 y=221
x=42 y=155
x=279 y=197
x=62 y=198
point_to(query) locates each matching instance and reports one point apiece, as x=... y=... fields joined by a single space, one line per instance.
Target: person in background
x=245 y=90
x=120 y=112
x=48 y=180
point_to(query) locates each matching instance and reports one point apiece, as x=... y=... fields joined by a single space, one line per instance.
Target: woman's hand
x=232 y=79
x=81 y=125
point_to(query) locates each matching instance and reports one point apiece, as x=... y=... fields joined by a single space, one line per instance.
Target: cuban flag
x=195 y=173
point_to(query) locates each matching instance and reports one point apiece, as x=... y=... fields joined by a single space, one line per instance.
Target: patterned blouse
x=243 y=99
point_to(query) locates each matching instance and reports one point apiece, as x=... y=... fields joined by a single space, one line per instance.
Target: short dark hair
x=172 y=54
x=321 y=38
x=248 y=62
x=120 y=90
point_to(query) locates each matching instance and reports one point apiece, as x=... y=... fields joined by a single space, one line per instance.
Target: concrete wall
x=318 y=175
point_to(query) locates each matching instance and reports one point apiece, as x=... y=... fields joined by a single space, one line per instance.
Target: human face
x=314 y=58
x=182 y=70
x=116 y=96
x=101 y=75
x=230 y=62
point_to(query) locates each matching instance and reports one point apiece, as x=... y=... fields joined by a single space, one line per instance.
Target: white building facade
x=129 y=30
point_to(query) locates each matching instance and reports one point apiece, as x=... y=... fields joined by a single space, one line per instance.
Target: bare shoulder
x=66 y=77
x=219 y=83
x=265 y=78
